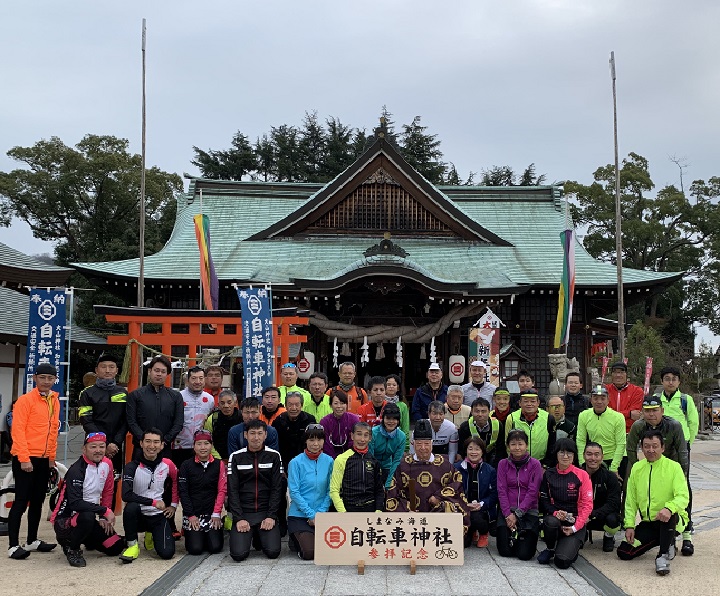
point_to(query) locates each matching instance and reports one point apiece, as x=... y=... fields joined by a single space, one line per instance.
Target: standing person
x=357 y=482
x=356 y=395
x=682 y=408
x=213 y=382
x=290 y=426
x=433 y=390
x=566 y=500
x=657 y=489
x=479 y=481
x=483 y=427
x=564 y=427
x=500 y=413
x=371 y=412
x=202 y=485
x=394 y=395
x=445 y=435
x=309 y=484
x=605 y=426
x=538 y=426
x=250 y=410
x=145 y=480
x=83 y=514
x=518 y=482
x=220 y=421
x=197 y=405
x=289 y=377
x=338 y=425
x=427 y=482
x=271 y=407
x=318 y=406
x=478 y=386
x=254 y=492
x=624 y=397
x=455 y=410
x=36 y=422
x=155 y=406
x=607 y=494
x=388 y=442
x=102 y=409
x=574 y=399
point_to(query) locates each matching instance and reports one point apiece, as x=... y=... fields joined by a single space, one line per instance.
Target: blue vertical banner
x=257 y=333
x=46 y=337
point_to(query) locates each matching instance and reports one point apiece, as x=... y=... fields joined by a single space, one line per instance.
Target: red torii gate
x=227 y=332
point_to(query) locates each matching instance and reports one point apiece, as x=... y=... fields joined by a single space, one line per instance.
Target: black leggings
x=650 y=534
x=198 y=541
x=88 y=531
x=306 y=545
x=240 y=542
x=608 y=523
x=30 y=487
x=135 y=520
x=480 y=522
x=522 y=546
x=566 y=547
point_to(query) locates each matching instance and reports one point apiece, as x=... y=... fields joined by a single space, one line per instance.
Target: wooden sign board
x=389 y=538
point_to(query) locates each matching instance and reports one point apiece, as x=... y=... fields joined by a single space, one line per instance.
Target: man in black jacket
x=254 y=484
x=606 y=514
x=155 y=406
x=575 y=400
x=102 y=409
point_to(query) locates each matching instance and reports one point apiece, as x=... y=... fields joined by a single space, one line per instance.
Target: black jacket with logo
x=254 y=484
x=103 y=410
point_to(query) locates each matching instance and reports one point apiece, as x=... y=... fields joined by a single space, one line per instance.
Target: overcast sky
x=508 y=82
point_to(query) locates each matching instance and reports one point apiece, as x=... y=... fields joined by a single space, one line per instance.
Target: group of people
x=513 y=470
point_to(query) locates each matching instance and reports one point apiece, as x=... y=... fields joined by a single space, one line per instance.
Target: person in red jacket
x=36 y=421
x=371 y=412
x=624 y=397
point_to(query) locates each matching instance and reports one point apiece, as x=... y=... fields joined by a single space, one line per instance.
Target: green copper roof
x=530 y=219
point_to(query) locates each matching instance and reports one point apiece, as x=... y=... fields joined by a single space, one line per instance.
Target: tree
x=86 y=198
x=505 y=176
x=643 y=341
x=422 y=151
x=232 y=164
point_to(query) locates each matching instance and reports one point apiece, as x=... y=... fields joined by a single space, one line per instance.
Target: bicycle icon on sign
x=446 y=552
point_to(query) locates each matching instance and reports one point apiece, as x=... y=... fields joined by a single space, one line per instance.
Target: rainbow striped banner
x=567 y=289
x=208 y=277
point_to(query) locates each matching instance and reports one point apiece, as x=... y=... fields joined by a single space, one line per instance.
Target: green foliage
x=86 y=198
x=643 y=341
x=505 y=176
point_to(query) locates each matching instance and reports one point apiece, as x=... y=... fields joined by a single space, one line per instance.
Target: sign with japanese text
x=484 y=344
x=389 y=538
x=46 y=335
x=257 y=334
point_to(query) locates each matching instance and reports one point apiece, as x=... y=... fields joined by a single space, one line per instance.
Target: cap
x=96 y=437
x=651 y=401
x=423 y=430
x=105 y=357
x=434 y=366
x=619 y=365
x=502 y=391
x=391 y=411
x=202 y=435
x=599 y=390
x=45 y=368
x=479 y=363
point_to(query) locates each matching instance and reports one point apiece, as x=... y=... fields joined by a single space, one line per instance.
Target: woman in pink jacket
x=518 y=485
x=566 y=500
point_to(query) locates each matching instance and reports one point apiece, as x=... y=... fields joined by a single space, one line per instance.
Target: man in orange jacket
x=36 y=421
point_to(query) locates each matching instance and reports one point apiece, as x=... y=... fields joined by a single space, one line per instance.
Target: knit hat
x=45 y=369
x=106 y=357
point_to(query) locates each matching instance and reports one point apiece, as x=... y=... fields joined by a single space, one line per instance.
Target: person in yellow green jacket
x=657 y=489
x=538 y=426
x=318 y=404
x=289 y=377
x=682 y=408
x=603 y=425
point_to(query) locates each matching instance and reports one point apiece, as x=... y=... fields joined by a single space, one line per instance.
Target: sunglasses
x=95 y=434
x=315 y=427
x=288 y=365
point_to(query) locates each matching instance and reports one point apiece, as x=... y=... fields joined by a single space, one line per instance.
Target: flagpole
x=618 y=223
x=141 y=275
x=201 y=260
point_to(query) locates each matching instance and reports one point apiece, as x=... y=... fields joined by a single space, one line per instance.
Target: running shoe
x=40 y=546
x=130 y=554
x=75 y=558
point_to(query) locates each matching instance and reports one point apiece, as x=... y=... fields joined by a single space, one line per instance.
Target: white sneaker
x=40 y=546
x=662 y=565
x=672 y=551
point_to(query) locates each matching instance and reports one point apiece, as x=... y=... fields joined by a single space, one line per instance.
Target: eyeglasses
x=288 y=365
x=563 y=453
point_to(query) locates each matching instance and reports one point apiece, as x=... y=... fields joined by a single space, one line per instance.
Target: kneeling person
x=657 y=488
x=83 y=514
x=202 y=485
x=144 y=481
x=357 y=482
x=254 y=492
x=607 y=495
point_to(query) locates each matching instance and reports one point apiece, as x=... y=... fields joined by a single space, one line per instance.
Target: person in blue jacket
x=433 y=390
x=480 y=484
x=387 y=444
x=250 y=410
x=309 y=484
